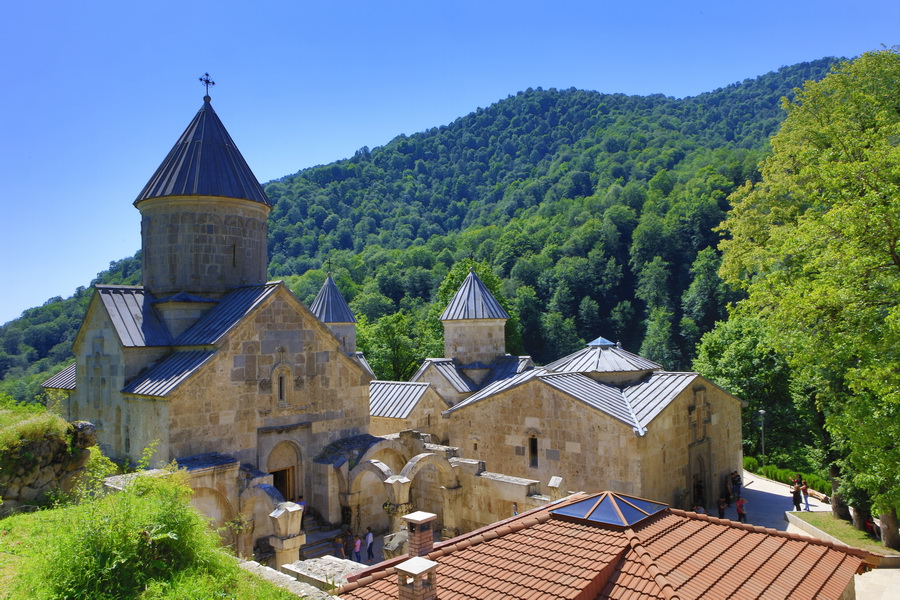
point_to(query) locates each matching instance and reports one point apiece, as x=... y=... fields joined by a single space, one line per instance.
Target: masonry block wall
x=202 y=244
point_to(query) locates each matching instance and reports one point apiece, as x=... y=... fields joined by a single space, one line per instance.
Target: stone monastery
x=262 y=399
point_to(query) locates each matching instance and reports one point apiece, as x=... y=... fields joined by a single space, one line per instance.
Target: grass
x=23 y=422
x=145 y=543
x=845 y=532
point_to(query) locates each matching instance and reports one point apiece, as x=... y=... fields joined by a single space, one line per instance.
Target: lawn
x=24 y=537
x=845 y=532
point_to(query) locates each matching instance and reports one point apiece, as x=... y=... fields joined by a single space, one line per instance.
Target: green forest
x=648 y=220
x=595 y=211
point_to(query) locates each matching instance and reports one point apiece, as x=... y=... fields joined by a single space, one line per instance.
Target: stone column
x=288 y=537
x=398 y=503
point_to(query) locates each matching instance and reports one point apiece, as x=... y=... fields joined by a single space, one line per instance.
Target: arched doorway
x=217 y=509
x=284 y=466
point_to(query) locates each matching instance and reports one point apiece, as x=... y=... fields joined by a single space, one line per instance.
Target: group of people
x=349 y=545
x=730 y=495
x=799 y=490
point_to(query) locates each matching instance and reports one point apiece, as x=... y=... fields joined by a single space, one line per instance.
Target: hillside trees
x=815 y=246
x=567 y=195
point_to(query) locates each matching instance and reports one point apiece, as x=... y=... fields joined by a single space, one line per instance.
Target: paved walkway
x=767 y=502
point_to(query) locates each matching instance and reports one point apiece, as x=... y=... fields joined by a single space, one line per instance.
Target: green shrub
x=114 y=546
x=26 y=421
x=751 y=464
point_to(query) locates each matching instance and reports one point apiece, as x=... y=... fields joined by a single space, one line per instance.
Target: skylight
x=610 y=509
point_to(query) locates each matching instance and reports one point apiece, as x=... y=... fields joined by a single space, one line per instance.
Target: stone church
x=262 y=399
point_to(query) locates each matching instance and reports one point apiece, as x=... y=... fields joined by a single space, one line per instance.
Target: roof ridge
x=649 y=562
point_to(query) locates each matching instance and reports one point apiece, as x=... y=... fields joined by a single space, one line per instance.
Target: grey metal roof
x=204 y=162
x=233 y=307
x=448 y=369
x=205 y=461
x=507 y=366
x=361 y=359
x=161 y=379
x=395 y=399
x=498 y=387
x=606 y=398
x=473 y=301
x=330 y=306
x=650 y=396
x=133 y=317
x=601 y=358
x=64 y=380
x=636 y=404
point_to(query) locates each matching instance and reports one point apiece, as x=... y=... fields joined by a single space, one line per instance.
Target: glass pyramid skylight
x=602 y=342
x=610 y=508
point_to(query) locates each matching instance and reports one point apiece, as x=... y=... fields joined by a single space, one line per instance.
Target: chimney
x=416 y=578
x=420 y=539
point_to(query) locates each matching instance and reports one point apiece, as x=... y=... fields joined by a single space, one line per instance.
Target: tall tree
x=816 y=244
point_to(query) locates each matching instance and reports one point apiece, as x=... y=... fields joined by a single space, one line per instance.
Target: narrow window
x=533 y=452
x=281 y=388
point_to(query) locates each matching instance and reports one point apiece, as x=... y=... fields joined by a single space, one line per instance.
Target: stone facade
x=424 y=417
x=202 y=245
x=537 y=432
x=474 y=340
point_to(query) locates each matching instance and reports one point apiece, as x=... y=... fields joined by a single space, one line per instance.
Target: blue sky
x=95 y=93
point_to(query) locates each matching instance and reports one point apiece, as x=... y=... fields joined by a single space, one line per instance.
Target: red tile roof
x=673 y=555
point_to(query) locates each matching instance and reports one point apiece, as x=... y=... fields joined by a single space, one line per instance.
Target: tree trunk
x=860 y=516
x=890 y=538
x=839 y=508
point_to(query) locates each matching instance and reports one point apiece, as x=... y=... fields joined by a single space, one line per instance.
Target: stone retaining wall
x=38 y=467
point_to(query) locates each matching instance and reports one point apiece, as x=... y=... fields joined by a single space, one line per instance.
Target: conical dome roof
x=602 y=356
x=330 y=306
x=204 y=162
x=473 y=301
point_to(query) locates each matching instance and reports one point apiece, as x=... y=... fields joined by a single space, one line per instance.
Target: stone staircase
x=319 y=538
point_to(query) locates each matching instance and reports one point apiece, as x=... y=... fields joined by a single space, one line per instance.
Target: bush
x=26 y=422
x=751 y=464
x=115 y=546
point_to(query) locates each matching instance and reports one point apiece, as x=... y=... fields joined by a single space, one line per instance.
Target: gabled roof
x=64 y=380
x=502 y=368
x=395 y=399
x=448 y=369
x=204 y=162
x=666 y=553
x=497 y=387
x=473 y=301
x=330 y=306
x=361 y=359
x=233 y=307
x=650 y=396
x=161 y=379
x=133 y=317
x=636 y=404
x=602 y=356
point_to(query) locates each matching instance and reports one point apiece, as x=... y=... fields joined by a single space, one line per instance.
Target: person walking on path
x=741 y=509
x=795 y=496
x=723 y=504
x=805 y=489
x=370 y=543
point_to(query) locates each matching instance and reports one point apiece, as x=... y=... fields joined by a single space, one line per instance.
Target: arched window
x=533 y=452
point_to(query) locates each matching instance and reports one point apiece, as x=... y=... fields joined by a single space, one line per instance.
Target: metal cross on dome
x=205 y=80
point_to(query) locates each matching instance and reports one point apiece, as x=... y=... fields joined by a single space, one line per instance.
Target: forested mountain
x=595 y=211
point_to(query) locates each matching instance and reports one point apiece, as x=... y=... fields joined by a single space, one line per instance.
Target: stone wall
x=35 y=468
